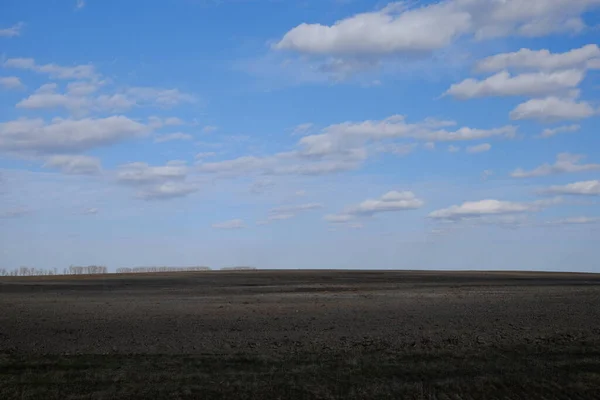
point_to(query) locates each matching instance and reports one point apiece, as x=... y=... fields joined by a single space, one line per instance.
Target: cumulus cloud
x=35 y=136
x=390 y=202
x=551 y=109
x=549 y=132
x=565 y=163
x=12 y=31
x=527 y=84
x=157 y=182
x=480 y=148
x=75 y=164
x=79 y=98
x=400 y=29
x=586 y=57
x=341 y=137
x=345 y=146
x=587 y=188
x=53 y=70
x=231 y=224
x=489 y=207
x=173 y=136
x=10 y=82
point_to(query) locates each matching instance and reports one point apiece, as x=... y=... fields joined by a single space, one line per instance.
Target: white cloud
x=453 y=149
x=173 y=121
x=287 y=212
x=589 y=188
x=80 y=4
x=66 y=135
x=142 y=173
x=565 y=163
x=391 y=30
x=46 y=97
x=526 y=59
x=480 y=148
x=302 y=128
x=341 y=137
x=173 y=136
x=231 y=224
x=12 y=31
x=53 y=70
x=476 y=209
x=528 y=84
x=10 y=82
x=390 y=202
x=167 y=190
x=399 y=28
x=346 y=146
x=75 y=164
x=552 y=109
x=90 y=211
x=549 y=132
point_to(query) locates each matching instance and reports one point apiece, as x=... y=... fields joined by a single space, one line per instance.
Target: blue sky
x=459 y=134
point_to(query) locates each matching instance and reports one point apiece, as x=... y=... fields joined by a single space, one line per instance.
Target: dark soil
x=301 y=334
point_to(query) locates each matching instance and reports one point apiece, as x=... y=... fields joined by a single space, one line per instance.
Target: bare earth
x=302 y=334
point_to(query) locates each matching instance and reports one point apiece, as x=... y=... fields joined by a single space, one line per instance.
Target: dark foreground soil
x=301 y=335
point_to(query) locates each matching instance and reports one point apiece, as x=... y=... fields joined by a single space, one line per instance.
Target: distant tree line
x=142 y=270
x=98 y=270
x=71 y=270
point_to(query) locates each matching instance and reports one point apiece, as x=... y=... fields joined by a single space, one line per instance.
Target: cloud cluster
x=401 y=29
x=586 y=57
x=75 y=164
x=390 y=202
x=27 y=136
x=585 y=188
x=527 y=84
x=157 y=182
x=551 y=80
x=489 y=207
x=565 y=163
x=549 y=132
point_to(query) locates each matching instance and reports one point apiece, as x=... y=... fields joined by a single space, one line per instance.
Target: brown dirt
x=302 y=334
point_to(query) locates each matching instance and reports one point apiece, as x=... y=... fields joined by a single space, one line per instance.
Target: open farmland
x=301 y=334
